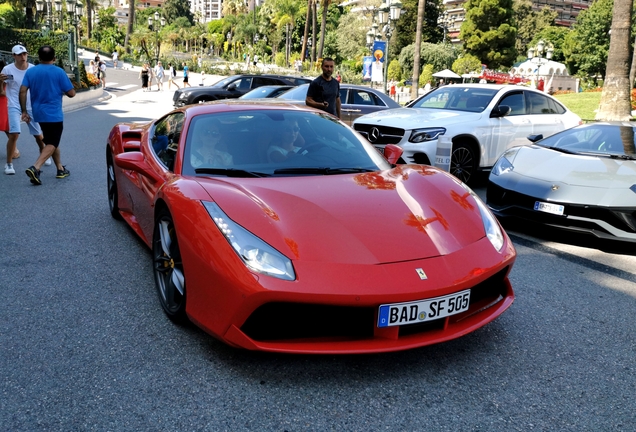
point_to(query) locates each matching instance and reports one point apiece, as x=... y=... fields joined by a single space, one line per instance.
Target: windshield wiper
x=230 y=172
x=321 y=170
x=559 y=149
x=620 y=156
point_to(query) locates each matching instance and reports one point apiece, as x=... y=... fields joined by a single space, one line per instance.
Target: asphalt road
x=84 y=344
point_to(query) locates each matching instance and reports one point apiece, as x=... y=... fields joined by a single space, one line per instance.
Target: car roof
x=226 y=105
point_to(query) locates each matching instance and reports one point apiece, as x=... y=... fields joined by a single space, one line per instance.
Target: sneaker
x=63 y=173
x=48 y=162
x=8 y=169
x=34 y=175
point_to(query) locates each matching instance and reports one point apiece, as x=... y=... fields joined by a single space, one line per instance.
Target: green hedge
x=33 y=40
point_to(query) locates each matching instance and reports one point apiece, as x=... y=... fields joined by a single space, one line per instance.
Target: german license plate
x=549 y=208
x=423 y=310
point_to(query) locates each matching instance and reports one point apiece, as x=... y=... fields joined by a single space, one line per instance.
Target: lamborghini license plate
x=549 y=208
x=423 y=310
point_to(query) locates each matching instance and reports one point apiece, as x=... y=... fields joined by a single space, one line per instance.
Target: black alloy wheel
x=168 y=268
x=463 y=162
x=111 y=182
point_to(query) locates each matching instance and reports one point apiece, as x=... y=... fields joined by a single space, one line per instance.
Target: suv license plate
x=423 y=310
x=549 y=208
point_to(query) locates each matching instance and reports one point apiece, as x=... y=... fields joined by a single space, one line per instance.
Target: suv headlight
x=255 y=253
x=426 y=134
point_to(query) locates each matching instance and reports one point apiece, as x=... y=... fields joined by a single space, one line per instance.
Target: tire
x=463 y=162
x=111 y=183
x=168 y=268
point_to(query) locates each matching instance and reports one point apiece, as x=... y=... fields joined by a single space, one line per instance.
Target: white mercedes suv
x=472 y=123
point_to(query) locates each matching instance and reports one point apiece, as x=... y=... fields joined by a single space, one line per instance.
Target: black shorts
x=52 y=132
x=185 y=79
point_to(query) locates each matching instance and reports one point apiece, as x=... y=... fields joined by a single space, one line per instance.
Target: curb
x=84 y=99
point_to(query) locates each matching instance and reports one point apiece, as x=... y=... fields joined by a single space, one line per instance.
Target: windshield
x=263 y=143
x=603 y=139
x=296 y=93
x=457 y=98
x=263 y=92
x=224 y=82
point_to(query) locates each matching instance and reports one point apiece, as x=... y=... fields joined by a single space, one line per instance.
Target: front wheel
x=463 y=162
x=168 y=268
x=111 y=183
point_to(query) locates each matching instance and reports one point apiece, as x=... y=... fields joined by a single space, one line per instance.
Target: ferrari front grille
x=284 y=321
x=298 y=321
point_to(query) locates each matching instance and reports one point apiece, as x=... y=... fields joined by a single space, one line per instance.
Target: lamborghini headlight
x=504 y=164
x=255 y=253
x=491 y=226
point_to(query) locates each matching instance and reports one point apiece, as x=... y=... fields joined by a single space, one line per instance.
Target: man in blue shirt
x=47 y=84
x=324 y=91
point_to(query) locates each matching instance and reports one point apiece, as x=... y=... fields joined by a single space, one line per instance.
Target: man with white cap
x=13 y=75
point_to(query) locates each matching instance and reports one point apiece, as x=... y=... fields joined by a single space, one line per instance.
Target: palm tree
x=323 y=26
x=306 y=34
x=131 y=22
x=615 y=99
x=415 y=85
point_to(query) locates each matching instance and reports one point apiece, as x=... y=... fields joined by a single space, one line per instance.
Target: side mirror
x=135 y=161
x=392 y=153
x=500 y=111
x=232 y=87
x=535 y=138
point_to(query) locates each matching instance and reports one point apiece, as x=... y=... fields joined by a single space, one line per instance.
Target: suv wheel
x=463 y=162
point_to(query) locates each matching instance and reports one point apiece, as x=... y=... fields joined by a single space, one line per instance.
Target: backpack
x=174 y=72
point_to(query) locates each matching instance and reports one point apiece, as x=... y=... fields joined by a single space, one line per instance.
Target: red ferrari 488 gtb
x=279 y=228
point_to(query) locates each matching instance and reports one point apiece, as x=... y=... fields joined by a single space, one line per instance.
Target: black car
x=232 y=87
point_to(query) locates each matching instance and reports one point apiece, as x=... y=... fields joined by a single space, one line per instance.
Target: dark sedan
x=231 y=87
x=355 y=100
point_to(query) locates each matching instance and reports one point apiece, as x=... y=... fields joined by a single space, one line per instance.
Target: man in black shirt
x=324 y=91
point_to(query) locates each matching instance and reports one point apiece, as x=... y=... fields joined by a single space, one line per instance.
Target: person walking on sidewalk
x=115 y=59
x=13 y=75
x=171 y=75
x=186 y=76
x=159 y=73
x=47 y=84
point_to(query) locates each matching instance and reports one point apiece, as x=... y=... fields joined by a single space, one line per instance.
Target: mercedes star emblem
x=374 y=134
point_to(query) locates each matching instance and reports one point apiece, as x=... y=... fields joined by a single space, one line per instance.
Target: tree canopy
x=488 y=32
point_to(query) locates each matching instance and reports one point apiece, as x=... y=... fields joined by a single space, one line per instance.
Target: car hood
x=581 y=179
x=407 y=213
x=411 y=118
x=575 y=170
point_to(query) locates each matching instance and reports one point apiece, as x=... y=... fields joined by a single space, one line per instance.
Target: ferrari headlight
x=504 y=163
x=255 y=253
x=491 y=226
x=427 y=134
